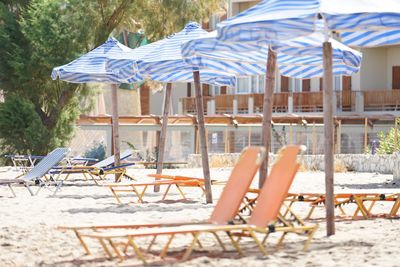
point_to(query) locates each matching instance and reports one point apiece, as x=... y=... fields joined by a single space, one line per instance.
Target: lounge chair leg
x=395 y=207
x=30 y=190
x=12 y=190
x=265 y=238
x=58 y=187
x=280 y=242
x=362 y=208
x=106 y=250
x=235 y=243
x=139 y=195
x=219 y=241
x=310 y=237
x=165 y=248
x=259 y=244
x=198 y=242
x=310 y=213
x=371 y=206
x=120 y=257
x=180 y=191
x=191 y=246
x=342 y=211
x=85 y=247
x=151 y=243
x=115 y=195
x=136 y=249
x=166 y=192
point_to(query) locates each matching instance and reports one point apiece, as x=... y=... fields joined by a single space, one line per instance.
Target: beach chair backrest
x=238 y=183
x=276 y=187
x=44 y=166
x=110 y=160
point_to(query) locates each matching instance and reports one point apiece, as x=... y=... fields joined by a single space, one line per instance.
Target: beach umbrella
x=358 y=22
x=166 y=65
x=298 y=58
x=108 y=63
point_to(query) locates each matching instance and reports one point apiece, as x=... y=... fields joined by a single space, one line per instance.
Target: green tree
x=389 y=142
x=37 y=35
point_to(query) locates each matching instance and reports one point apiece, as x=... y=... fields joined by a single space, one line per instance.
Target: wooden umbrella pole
x=267 y=111
x=163 y=135
x=202 y=135
x=328 y=132
x=115 y=127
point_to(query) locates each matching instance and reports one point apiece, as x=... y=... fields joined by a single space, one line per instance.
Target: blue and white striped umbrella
x=111 y=62
x=165 y=63
x=363 y=23
x=298 y=58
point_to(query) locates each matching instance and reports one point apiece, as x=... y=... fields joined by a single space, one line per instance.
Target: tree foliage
x=37 y=35
x=389 y=142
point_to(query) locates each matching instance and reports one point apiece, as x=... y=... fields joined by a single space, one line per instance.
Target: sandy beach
x=28 y=234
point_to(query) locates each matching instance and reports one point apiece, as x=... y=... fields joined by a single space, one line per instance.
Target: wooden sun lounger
x=37 y=175
x=264 y=219
x=359 y=200
x=232 y=194
x=169 y=181
x=99 y=170
x=315 y=200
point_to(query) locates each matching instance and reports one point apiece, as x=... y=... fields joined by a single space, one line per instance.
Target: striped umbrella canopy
x=299 y=57
x=111 y=62
x=166 y=64
x=364 y=23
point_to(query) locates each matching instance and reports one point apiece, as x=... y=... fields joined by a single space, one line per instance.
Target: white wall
x=157 y=99
x=373 y=69
x=237 y=6
x=314 y=84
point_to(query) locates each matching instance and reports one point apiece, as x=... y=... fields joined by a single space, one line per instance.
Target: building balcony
x=294 y=102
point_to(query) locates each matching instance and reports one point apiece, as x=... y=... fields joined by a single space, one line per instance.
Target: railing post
x=250 y=104
x=180 y=107
x=208 y=109
x=334 y=104
x=235 y=106
x=290 y=103
x=359 y=101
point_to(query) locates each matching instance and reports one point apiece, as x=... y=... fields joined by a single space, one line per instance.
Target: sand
x=28 y=234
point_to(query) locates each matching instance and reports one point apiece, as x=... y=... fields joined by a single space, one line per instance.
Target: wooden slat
x=396 y=77
x=306 y=85
x=145 y=99
x=284 y=83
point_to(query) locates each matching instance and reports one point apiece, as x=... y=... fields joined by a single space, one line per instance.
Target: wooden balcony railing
x=382 y=100
x=377 y=100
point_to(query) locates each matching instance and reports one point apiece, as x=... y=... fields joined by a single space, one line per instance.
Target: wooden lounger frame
x=360 y=200
x=176 y=181
x=316 y=200
x=264 y=220
x=233 y=193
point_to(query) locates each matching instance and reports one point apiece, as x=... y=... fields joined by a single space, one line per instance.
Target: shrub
x=97 y=151
x=389 y=143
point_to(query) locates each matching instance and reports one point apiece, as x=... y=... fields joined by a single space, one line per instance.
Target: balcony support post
x=250 y=105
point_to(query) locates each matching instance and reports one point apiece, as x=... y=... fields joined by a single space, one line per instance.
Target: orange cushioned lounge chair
x=264 y=219
x=226 y=208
